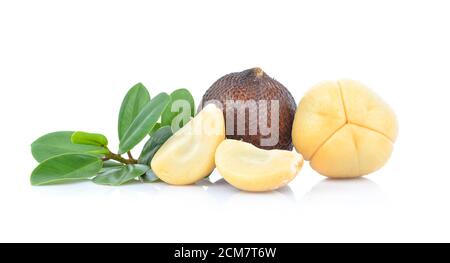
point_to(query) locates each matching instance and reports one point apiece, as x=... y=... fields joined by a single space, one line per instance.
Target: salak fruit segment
x=188 y=156
x=344 y=129
x=249 y=168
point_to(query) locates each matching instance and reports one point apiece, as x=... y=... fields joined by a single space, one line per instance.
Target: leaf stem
x=117 y=157
x=129 y=155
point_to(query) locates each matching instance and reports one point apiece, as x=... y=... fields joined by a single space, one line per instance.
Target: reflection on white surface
x=219 y=199
x=327 y=192
x=214 y=210
x=220 y=193
x=338 y=193
x=217 y=194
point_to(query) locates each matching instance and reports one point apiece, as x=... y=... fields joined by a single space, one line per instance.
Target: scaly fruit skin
x=249 y=168
x=344 y=129
x=254 y=84
x=188 y=156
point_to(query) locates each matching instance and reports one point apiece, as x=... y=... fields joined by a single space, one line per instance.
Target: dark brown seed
x=254 y=85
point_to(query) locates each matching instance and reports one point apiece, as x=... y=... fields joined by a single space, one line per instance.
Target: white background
x=66 y=65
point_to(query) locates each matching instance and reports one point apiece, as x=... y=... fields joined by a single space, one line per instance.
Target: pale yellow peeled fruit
x=188 y=156
x=344 y=129
x=249 y=168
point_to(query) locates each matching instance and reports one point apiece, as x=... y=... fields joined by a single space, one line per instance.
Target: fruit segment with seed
x=188 y=156
x=249 y=168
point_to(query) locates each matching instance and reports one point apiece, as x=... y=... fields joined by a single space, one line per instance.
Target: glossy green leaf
x=181 y=105
x=89 y=138
x=58 y=143
x=150 y=177
x=111 y=163
x=66 y=167
x=144 y=122
x=120 y=175
x=155 y=128
x=154 y=143
x=135 y=100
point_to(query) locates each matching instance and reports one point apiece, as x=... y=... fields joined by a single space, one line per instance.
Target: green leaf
x=153 y=144
x=89 y=138
x=144 y=122
x=58 y=143
x=66 y=167
x=111 y=163
x=181 y=105
x=135 y=100
x=155 y=128
x=120 y=175
x=150 y=177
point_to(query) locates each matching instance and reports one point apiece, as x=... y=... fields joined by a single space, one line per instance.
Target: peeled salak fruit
x=344 y=129
x=249 y=168
x=188 y=156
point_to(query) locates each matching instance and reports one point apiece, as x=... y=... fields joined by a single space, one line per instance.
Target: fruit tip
x=258 y=71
